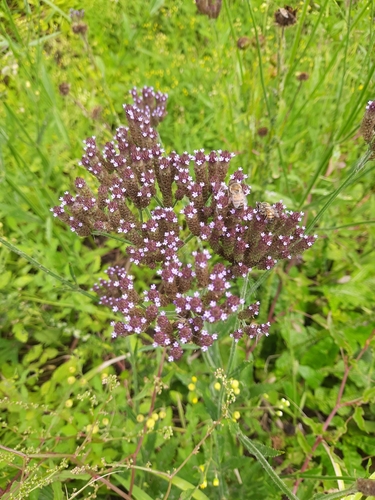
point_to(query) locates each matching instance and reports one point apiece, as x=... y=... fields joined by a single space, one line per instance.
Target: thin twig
x=335 y=409
x=152 y=406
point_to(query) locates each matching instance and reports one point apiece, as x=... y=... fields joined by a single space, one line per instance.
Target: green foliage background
x=61 y=426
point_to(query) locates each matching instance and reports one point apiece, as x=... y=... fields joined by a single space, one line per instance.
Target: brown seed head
x=79 y=28
x=286 y=16
x=243 y=42
x=262 y=131
x=366 y=486
x=64 y=88
x=302 y=77
x=367 y=129
x=210 y=8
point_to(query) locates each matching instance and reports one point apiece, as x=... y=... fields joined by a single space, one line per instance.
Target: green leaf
x=8 y=351
x=358 y=418
x=177 y=481
x=138 y=494
x=33 y=354
x=20 y=333
x=254 y=450
x=4 y=279
x=57 y=491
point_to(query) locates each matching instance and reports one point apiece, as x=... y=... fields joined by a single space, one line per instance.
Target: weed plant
x=84 y=415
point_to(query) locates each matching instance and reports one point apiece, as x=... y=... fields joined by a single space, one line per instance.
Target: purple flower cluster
x=160 y=202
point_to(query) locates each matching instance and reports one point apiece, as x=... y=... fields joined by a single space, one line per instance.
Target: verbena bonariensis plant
x=159 y=203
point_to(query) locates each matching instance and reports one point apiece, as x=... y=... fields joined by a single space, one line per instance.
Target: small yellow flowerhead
x=235 y=384
x=203 y=485
x=150 y=424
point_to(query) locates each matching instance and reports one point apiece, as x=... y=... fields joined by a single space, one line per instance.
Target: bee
x=265 y=209
x=236 y=195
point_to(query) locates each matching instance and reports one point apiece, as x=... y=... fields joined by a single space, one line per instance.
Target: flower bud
x=368 y=122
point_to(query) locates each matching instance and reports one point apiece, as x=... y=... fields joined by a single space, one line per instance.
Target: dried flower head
x=367 y=129
x=286 y=16
x=96 y=112
x=302 y=77
x=78 y=27
x=366 y=486
x=210 y=8
x=159 y=203
x=262 y=131
x=64 y=88
x=243 y=42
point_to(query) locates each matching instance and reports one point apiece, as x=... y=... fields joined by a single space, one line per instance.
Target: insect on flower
x=265 y=209
x=237 y=195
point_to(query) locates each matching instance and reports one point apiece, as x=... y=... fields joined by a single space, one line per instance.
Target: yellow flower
x=195 y=400
x=162 y=414
x=150 y=424
x=235 y=384
x=105 y=421
x=140 y=418
x=236 y=415
x=94 y=429
x=71 y=380
x=191 y=387
x=215 y=482
x=203 y=485
x=155 y=416
x=217 y=386
x=69 y=403
x=194 y=379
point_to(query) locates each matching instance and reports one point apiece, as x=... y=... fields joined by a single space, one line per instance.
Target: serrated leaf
x=358 y=418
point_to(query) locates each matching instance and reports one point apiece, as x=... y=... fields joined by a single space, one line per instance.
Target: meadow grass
x=77 y=407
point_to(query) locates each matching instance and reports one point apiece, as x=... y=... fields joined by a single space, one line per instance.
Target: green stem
x=108 y=235
x=234 y=40
x=45 y=269
x=357 y=168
